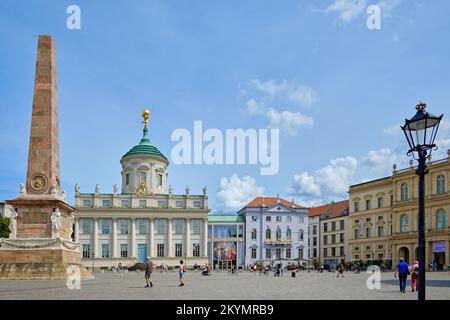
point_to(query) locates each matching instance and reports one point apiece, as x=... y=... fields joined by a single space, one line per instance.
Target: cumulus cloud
x=254 y=107
x=235 y=193
x=381 y=160
x=326 y=183
x=394 y=130
x=302 y=95
x=347 y=9
x=288 y=122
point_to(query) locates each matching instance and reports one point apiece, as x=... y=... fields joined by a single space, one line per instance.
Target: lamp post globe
x=420 y=132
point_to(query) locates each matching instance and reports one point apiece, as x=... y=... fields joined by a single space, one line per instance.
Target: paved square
x=223 y=285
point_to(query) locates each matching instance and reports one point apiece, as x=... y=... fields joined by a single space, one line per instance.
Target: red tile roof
x=317 y=211
x=270 y=201
x=336 y=209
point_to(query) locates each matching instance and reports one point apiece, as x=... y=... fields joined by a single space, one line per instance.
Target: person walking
x=415 y=276
x=402 y=271
x=341 y=270
x=181 y=272
x=148 y=272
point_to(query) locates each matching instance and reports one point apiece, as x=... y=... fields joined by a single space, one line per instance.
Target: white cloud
x=381 y=160
x=302 y=95
x=394 y=130
x=288 y=122
x=347 y=9
x=235 y=193
x=387 y=6
x=328 y=182
x=254 y=107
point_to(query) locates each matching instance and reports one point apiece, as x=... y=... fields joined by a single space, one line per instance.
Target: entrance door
x=142 y=253
x=439 y=257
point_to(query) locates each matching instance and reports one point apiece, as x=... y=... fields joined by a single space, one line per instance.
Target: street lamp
x=420 y=132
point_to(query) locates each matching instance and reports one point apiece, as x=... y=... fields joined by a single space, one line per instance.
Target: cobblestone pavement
x=223 y=285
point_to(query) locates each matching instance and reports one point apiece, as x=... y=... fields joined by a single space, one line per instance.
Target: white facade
x=314 y=238
x=276 y=233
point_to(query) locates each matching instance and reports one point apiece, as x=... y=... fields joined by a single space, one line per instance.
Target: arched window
x=288 y=233
x=404 y=192
x=404 y=223
x=253 y=234
x=268 y=233
x=440 y=184
x=278 y=234
x=441 y=222
x=300 y=234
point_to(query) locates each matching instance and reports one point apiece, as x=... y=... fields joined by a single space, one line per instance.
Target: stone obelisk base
x=51 y=262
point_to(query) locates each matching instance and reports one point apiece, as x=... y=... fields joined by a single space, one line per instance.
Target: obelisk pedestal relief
x=40 y=245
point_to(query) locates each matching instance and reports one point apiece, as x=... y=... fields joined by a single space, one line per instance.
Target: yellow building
x=384 y=216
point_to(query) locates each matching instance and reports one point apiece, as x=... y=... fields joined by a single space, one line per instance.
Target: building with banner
x=226 y=241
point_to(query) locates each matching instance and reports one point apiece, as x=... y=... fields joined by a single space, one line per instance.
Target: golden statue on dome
x=146 y=116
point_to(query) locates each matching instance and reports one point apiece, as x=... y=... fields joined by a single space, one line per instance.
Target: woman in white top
x=181 y=272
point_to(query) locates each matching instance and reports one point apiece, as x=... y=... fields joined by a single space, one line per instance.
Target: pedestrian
x=119 y=269
x=148 y=272
x=340 y=270
x=181 y=272
x=435 y=266
x=415 y=276
x=402 y=270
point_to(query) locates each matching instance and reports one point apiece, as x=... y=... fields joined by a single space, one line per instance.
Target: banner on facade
x=438 y=246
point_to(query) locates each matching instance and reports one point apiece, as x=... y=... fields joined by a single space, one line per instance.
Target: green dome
x=145 y=148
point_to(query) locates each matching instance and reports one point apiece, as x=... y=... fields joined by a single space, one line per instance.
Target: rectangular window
x=278 y=218
x=106 y=203
x=333 y=239
x=142 y=203
x=196 y=225
x=127 y=179
x=368 y=220
x=142 y=226
x=268 y=218
x=105 y=250
x=124 y=250
x=301 y=219
x=197 y=204
x=314 y=253
x=178 y=226
x=314 y=230
x=367 y=232
x=288 y=253
x=342 y=226
x=380 y=231
x=392 y=199
x=86 y=251
x=325 y=240
x=160 y=250
x=178 y=250
x=325 y=252
x=325 y=227
x=268 y=254
x=196 y=249
x=86 y=226
x=333 y=252
x=125 y=203
x=380 y=256
x=162 y=204
x=342 y=251
x=87 y=203
x=144 y=177
x=356 y=234
x=278 y=253
x=289 y=219
x=356 y=206
x=380 y=218
x=161 y=226
x=368 y=204
x=380 y=202
x=123 y=223
x=314 y=241
x=159 y=180
x=179 y=204
x=341 y=238
x=253 y=253
x=105 y=226
x=333 y=226
x=254 y=218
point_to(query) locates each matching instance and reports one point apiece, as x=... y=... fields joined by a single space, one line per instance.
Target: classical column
x=188 y=237
x=169 y=238
x=77 y=230
x=151 y=237
x=95 y=245
x=114 y=238
x=133 y=237
x=205 y=237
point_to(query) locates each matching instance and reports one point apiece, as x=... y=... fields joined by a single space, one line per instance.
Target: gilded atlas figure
x=143 y=189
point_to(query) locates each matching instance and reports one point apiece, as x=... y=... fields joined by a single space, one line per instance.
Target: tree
x=4 y=230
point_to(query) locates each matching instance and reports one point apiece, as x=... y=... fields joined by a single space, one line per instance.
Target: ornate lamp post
x=420 y=132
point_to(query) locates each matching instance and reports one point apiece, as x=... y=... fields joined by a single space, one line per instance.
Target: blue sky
x=337 y=90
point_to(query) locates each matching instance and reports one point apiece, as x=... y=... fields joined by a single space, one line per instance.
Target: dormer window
x=159 y=179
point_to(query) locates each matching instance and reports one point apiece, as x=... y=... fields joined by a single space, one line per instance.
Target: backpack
x=416 y=272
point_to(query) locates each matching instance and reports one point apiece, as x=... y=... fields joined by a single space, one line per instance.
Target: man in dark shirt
x=148 y=272
x=402 y=270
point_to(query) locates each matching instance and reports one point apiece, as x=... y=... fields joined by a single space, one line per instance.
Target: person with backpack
x=181 y=272
x=148 y=272
x=415 y=276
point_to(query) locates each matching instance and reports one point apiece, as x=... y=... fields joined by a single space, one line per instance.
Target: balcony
x=278 y=241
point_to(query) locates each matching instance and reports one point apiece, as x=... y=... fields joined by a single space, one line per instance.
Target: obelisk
x=40 y=244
